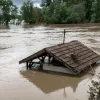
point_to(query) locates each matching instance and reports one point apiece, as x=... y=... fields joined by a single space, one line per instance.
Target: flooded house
x=68 y=58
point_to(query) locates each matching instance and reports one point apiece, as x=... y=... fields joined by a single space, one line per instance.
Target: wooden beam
x=27 y=65
x=41 y=58
x=30 y=65
x=49 y=59
x=36 y=62
x=41 y=66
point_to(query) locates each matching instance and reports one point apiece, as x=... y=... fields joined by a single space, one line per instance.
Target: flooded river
x=16 y=43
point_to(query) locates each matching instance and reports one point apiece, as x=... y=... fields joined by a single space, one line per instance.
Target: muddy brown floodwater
x=16 y=83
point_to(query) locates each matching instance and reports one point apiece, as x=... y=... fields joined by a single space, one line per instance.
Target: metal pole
x=64 y=36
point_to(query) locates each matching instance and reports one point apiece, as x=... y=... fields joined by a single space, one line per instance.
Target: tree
x=88 y=6
x=14 y=12
x=58 y=13
x=47 y=13
x=55 y=12
x=76 y=13
x=38 y=14
x=27 y=12
x=7 y=9
x=95 y=17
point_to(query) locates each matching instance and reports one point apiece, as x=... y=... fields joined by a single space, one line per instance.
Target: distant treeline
x=71 y=11
x=52 y=11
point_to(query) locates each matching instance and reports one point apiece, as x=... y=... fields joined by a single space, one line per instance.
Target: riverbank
x=73 y=25
x=55 y=25
x=62 y=25
x=4 y=27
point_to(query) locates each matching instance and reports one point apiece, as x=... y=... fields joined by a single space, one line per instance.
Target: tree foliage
x=71 y=11
x=27 y=12
x=76 y=13
x=52 y=11
x=88 y=6
x=57 y=12
x=38 y=14
x=94 y=90
x=95 y=17
x=8 y=10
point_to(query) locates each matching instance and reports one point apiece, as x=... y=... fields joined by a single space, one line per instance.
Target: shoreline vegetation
x=94 y=89
x=66 y=25
x=54 y=25
x=51 y=12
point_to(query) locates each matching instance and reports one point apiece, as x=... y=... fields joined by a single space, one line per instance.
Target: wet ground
x=16 y=43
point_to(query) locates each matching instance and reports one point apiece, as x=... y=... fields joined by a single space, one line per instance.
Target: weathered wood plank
x=80 y=58
x=79 y=52
x=34 y=56
x=62 y=45
x=87 y=60
x=66 y=48
x=86 y=64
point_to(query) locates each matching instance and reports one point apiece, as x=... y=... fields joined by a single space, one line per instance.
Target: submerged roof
x=63 y=52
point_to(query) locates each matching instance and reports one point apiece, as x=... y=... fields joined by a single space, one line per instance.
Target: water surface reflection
x=49 y=83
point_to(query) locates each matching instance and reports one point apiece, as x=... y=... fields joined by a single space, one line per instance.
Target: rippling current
x=16 y=43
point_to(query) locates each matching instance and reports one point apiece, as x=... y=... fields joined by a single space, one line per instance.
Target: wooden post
x=30 y=64
x=42 y=58
x=27 y=65
x=49 y=57
x=41 y=66
x=64 y=36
